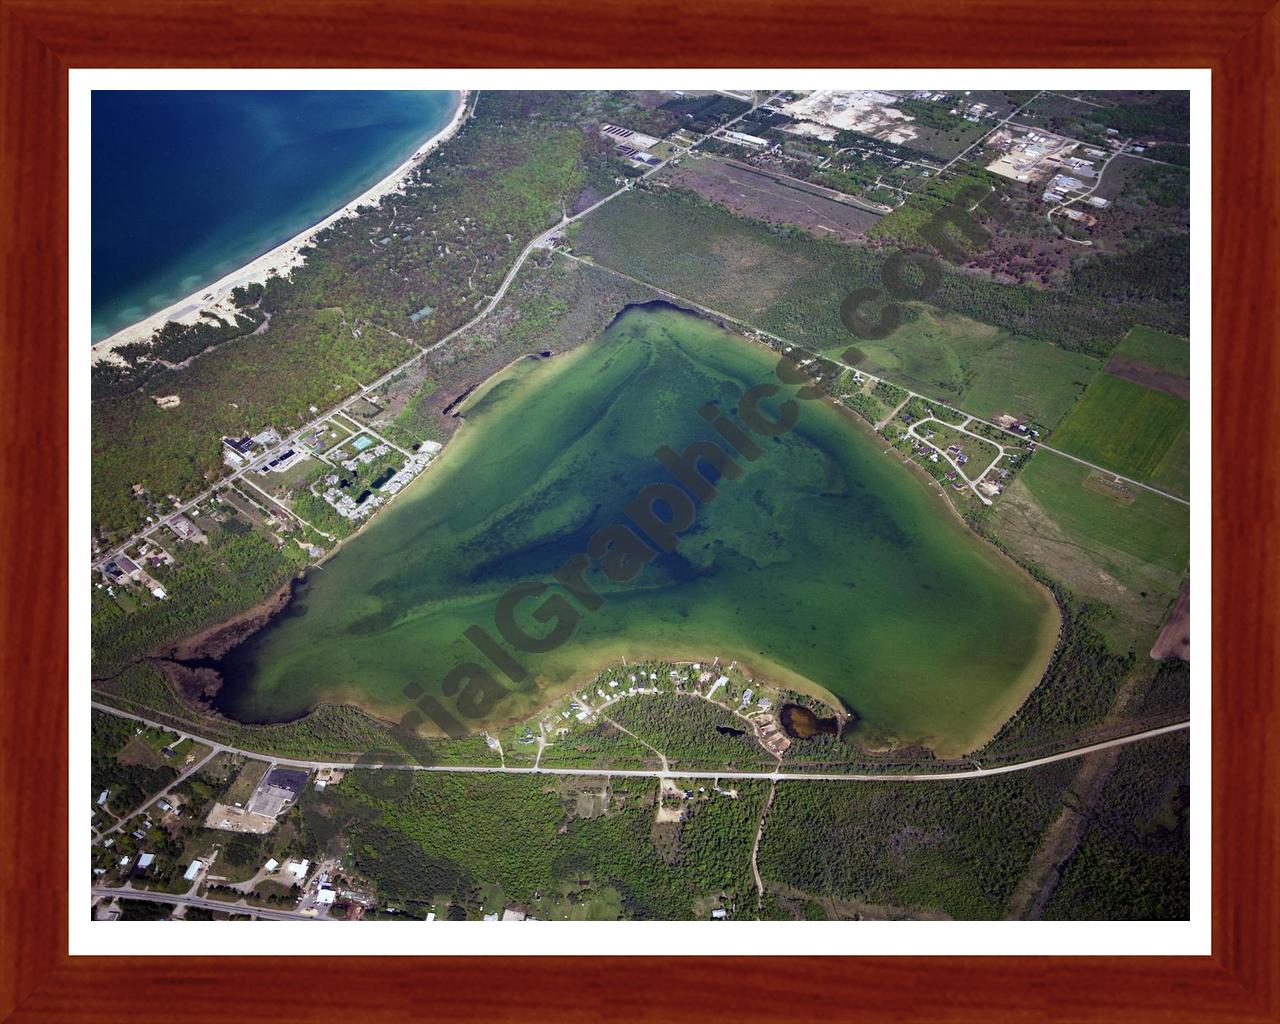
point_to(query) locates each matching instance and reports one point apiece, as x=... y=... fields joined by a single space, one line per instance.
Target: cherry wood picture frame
x=41 y=39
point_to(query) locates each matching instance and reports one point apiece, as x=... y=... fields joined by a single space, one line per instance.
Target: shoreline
x=517 y=706
x=281 y=260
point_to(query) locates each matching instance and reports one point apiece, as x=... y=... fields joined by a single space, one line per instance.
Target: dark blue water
x=188 y=186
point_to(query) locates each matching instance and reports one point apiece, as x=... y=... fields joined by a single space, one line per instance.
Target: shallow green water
x=824 y=560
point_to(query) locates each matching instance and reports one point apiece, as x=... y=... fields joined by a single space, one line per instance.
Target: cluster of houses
x=358 y=508
x=412 y=467
x=367 y=456
x=345 y=505
x=957 y=454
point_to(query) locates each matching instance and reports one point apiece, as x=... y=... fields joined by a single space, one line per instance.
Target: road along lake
x=824 y=564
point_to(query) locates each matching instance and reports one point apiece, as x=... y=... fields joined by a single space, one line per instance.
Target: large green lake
x=826 y=564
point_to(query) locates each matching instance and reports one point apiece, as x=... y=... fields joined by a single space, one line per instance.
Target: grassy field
x=1123 y=426
x=1157 y=349
x=1173 y=473
x=1127 y=548
x=996 y=348
x=982 y=368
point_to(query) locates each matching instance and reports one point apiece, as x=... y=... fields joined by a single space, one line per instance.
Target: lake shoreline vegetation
x=660 y=645
x=1098 y=684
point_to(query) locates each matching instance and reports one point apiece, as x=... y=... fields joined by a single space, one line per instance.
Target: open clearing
x=235 y=819
x=1156 y=349
x=1124 y=426
x=759 y=194
x=986 y=370
x=1154 y=359
x=1174 y=640
x=1128 y=550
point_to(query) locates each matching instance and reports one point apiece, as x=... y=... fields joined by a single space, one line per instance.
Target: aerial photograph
x=681 y=505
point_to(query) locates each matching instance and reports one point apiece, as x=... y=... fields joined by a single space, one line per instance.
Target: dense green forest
x=958 y=847
x=692 y=732
x=449 y=834
x=1134 y=861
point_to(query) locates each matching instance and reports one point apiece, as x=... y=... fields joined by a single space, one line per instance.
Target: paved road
x=665 y=773
x=796 y=346
x=222 y=906
x=542 y=241
x=986 y=135
x=1096 y=185
x=125 y=818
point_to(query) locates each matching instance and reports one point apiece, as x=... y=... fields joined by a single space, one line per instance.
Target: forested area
x=212 y=582
x=1169 y=690
x=450 y=834
x=958 y=847
x=345 y=316
x=176 y=342
x=1134 y=861
x=688 y=729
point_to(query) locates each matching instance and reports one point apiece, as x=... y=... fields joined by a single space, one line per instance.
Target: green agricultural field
x=981 y=368
x=1127 y=549
x=1156 y=349
x=1123 y=426
x=1173 y=474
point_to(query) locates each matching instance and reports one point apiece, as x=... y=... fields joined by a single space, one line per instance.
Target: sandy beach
x=216 y=297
